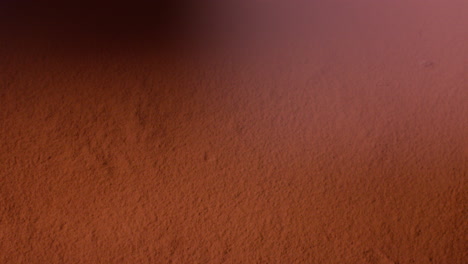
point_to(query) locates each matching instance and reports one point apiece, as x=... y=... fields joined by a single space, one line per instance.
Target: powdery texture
x=354 y=153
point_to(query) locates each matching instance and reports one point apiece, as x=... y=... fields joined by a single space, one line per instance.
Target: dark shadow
x=100 y=24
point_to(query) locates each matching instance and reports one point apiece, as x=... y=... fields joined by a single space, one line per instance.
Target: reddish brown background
x=341 y=137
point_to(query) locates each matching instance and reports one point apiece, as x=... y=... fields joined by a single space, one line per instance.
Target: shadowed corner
x=102 y=25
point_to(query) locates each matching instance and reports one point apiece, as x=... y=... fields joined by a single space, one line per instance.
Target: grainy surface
x=350 y=148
